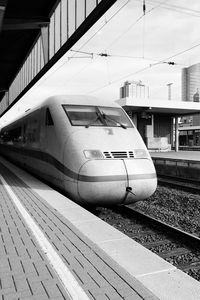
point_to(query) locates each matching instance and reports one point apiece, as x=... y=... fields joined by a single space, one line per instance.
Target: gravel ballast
x=175 y=207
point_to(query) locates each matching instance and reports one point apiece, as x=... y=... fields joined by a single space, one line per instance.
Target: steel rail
x=183 y=243
x=186 y=184
x=185 y=236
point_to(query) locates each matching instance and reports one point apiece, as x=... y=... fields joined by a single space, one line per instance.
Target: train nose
x=116 y=181
x=102 y=182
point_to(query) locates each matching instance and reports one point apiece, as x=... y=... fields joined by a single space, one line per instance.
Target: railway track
x=188 y=185
x=174 y=245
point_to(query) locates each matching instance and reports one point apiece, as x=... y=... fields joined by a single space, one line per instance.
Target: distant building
x=189 y=131
x=134 y=89
x=190 y=91
x=191 y=83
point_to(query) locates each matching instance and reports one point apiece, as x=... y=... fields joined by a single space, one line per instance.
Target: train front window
x=115 y=117
x=83 y=115
x=80 y=115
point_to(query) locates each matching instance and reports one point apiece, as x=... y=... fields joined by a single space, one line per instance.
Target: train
x=87 y=147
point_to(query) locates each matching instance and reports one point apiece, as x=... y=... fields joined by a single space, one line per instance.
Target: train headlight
x=93 y=154
x=141 y=153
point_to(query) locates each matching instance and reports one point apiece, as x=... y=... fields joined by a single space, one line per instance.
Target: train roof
x=78 y=100
x=65 y=99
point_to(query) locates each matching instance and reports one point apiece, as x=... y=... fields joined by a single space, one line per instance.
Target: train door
x=43 y=135
x=47 y=132
x=52 y=151
x=50 y=132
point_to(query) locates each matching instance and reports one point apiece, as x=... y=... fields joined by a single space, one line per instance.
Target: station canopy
x=20 y=24
x=170 y=107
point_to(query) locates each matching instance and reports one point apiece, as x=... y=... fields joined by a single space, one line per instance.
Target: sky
x=138 y=47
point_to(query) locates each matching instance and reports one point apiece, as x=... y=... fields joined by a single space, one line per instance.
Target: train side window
x=5 y=136
x=48 y=118
x=12 y=135
x=16 y=134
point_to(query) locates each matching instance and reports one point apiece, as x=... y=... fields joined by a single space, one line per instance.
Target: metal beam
x=45 y=43
x=23 y=24
x=93 y=17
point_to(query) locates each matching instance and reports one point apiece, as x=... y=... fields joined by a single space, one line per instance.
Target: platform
x=181 y=164
x=51 y=248
x=180 y=155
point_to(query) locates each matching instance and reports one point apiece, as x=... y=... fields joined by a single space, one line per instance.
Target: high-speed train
x=87 y=147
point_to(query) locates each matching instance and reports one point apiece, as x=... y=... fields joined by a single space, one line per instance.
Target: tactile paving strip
x=99 y=276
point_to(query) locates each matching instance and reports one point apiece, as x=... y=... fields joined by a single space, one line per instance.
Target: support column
x=172 y=132
x=152 y=123
x=176 y=134
x=135 y=119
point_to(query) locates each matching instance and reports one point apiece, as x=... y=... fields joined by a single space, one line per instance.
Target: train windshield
x=81 y=115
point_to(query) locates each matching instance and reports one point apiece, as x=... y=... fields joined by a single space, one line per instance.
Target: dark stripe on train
x=46 y=157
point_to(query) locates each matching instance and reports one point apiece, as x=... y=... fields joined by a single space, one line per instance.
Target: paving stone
x=98 y=279
x=105 y=292
x=28 y=267
x=53 y=289
x=25 y=293
x=35 y=297
x=11 y=296
x=37 y=288
x=126 y=293
x=7 y=282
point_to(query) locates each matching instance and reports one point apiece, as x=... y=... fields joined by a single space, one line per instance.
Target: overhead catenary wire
x=105 y=54
x=177 y=8
x=91 y=56
x=134 y=23
x=145 y=68
x=179 y=53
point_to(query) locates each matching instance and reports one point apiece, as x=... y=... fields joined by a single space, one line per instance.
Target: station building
x=189 y=137
x=156 y=120
x=191 y=83
x=189 y=128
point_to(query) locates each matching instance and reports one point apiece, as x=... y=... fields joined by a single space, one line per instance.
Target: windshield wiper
x=98 y=117
x=113 y=120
